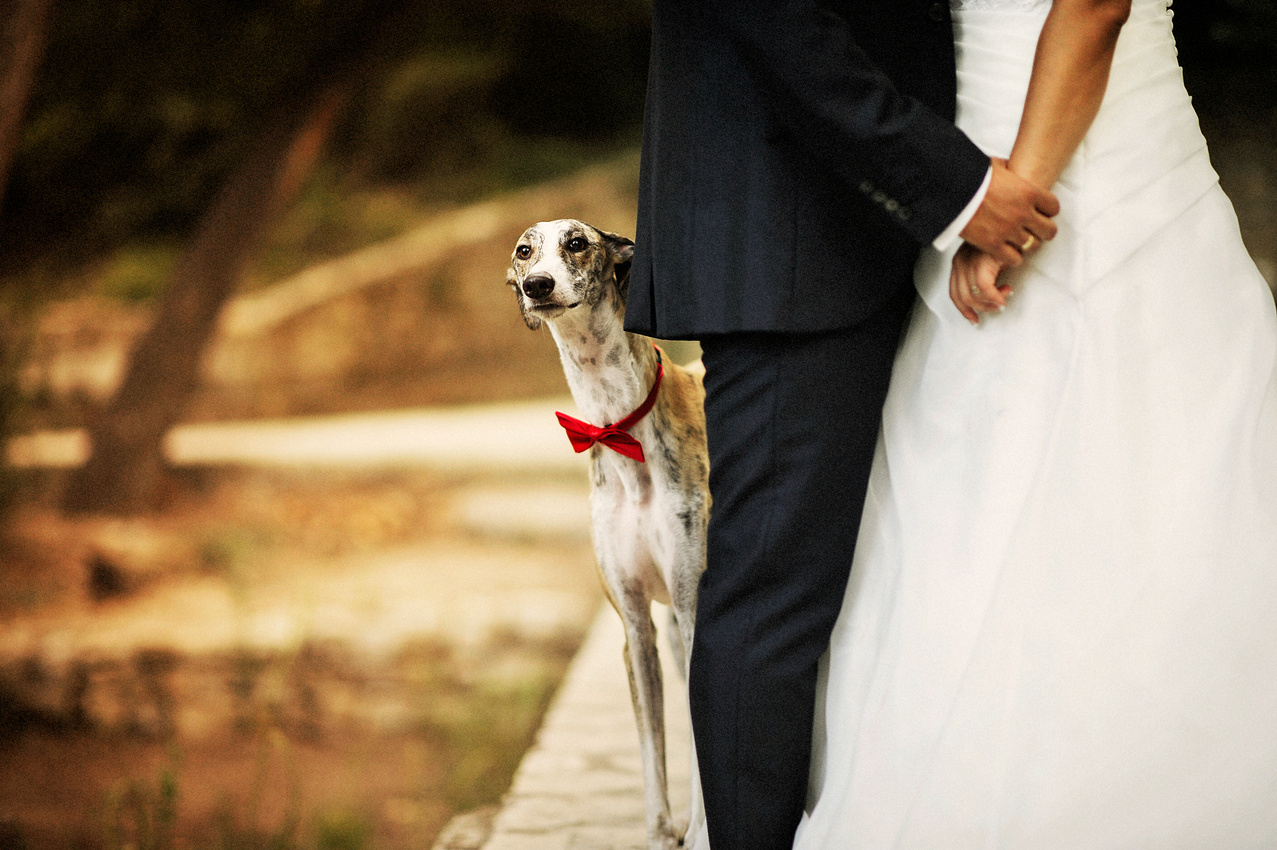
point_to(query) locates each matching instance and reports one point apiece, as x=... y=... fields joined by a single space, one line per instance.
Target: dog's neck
x=610 y=372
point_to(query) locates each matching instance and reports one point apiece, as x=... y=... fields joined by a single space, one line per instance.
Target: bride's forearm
x=1070 y=72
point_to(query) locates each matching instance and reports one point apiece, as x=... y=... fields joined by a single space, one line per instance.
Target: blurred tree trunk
x=126 y=470
x=23 y=27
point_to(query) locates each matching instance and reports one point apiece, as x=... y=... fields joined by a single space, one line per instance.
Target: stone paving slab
x=580 y=787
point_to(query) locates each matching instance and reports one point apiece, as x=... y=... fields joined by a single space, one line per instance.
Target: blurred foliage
x=342 y=830
x=142 y=107
x=142 y=816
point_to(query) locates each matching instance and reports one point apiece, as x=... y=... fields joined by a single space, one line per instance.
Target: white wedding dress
x=1061 y=626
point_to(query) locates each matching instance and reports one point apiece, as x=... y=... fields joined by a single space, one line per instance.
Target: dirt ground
x=469 y=699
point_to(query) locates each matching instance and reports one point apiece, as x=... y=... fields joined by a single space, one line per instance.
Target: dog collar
x=583 y=435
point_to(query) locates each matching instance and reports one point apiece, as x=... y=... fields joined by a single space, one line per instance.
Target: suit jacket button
x=936 y=12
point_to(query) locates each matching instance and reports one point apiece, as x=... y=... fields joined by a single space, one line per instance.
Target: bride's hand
x=973 y=283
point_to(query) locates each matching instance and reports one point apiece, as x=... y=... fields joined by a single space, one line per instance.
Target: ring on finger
x=1028 y=244
x=975 y=291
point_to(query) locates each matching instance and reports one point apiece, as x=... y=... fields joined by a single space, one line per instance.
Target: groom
x=797 y=155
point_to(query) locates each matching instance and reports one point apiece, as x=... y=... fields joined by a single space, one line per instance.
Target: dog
x=649 y=464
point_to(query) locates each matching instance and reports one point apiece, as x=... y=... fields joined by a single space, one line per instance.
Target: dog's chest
x=621 y=479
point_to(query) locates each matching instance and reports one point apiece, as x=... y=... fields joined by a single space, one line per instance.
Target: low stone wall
x=315 y=689
x=160 y=693
x=489 y=578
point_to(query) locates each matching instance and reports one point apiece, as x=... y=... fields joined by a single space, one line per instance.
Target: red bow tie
x=583 y=434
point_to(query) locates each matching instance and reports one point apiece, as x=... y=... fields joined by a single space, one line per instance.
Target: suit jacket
x=796 y=156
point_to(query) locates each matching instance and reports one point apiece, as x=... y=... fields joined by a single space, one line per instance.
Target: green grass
x=140 y=815
x=485 y=735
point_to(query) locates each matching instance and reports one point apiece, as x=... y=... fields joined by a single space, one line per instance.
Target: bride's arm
x=1070 y=73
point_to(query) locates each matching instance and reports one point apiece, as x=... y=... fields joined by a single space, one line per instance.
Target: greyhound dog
x=649 y=466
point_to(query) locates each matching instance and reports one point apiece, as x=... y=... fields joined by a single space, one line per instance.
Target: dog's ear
x=621 y=251
x=620 y=248
x=512 y=281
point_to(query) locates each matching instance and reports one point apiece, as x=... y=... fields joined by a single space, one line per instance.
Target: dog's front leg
x=681 y=635
x=689 y=564
x=647 y=693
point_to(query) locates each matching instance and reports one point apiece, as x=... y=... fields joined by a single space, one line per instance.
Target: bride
x=1061 y=627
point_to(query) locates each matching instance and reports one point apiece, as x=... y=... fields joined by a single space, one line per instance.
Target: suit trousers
x=792 y=422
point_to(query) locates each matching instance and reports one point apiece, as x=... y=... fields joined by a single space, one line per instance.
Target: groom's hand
x=1014 y=219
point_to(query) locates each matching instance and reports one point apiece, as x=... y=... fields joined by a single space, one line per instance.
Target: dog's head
x=562 y=265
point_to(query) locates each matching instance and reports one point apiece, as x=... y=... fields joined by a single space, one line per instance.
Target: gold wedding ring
x=1028 y=243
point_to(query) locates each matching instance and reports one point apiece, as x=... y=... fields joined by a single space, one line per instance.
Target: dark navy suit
x=796 y=156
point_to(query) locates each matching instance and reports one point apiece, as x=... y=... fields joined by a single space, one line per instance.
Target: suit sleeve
x=824 y=91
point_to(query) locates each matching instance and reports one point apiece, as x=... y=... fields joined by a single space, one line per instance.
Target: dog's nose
x=538 y=285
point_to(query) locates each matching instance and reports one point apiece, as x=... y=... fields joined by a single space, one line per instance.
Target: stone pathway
x=580 y=787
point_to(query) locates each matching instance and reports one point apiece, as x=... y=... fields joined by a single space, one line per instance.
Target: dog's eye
x=523 y=252
x=577 y=244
